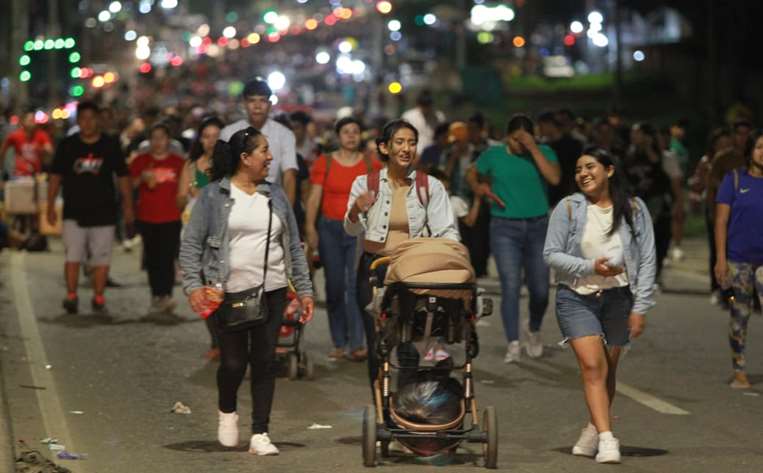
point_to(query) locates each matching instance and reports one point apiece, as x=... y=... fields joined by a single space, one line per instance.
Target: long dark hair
x=389 y=130
x=754 y=137
x=618 y=188
x=196 y=147
x=227 y=156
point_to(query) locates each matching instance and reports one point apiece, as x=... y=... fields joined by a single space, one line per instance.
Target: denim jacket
x=205 y=252
x=437 y=216
x=562 y=249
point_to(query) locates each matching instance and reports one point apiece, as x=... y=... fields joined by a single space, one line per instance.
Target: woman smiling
x=601 y=244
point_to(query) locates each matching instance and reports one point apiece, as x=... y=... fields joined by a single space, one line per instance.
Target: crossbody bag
x=246 y=309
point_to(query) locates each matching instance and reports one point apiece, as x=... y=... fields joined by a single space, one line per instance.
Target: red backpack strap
x=372 y=182
x=422 y=187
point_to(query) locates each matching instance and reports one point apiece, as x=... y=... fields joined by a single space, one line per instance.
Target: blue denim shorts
x=604 y=314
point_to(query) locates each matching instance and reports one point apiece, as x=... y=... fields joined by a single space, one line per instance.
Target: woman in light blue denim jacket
x=238 y=221
x=396 y=214
x=601 y=244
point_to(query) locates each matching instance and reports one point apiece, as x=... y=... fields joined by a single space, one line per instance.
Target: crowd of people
x=243 y=212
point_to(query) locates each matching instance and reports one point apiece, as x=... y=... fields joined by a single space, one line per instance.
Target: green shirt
x=516 y=180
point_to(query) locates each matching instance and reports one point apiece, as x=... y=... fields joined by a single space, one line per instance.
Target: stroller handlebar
x=380 y=261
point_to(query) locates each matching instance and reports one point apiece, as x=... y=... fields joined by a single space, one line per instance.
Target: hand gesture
x=526 y=139
x=365 y=201
x=308 y=307
x=198 y=300
x=601 y=268
x=149 y=178
x=484 y=190
x=721 y=271
x=52 y=215
x=311 y=237
x=636 y=324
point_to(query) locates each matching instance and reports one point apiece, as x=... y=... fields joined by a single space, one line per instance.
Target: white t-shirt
x=282 y=146
x=595 y=244
x=460 y=207
x=248 y=229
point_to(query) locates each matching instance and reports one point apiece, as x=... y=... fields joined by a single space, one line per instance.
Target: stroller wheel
x=490 y=439
x=293 y=366
x=309 y=366
x=369 y=436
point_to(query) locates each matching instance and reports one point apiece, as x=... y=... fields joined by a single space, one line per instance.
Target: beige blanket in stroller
x=432 y=261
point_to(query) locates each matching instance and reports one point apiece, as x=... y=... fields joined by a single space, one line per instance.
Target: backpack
x=421 y=183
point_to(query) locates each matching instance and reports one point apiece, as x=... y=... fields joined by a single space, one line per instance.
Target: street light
x=323 y=57
x=276 y=81
x=394 y=25
x=383 y=7
x=115 y=7
x=229 y=32
x=595 y=17
x=576 y=27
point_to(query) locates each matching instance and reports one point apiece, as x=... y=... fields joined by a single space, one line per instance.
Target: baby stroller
x=429 y=294
x=289 y=348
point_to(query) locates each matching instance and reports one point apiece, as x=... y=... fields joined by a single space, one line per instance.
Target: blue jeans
x=337 y=250
x=517 y=244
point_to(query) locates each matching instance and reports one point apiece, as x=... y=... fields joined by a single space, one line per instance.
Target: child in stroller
x=429 y=300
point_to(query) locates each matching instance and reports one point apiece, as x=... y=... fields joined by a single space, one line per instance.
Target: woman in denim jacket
x=224 y=245
x=396 y=214
x=601 y=244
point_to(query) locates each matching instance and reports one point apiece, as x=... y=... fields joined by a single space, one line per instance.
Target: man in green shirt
x=514 y=176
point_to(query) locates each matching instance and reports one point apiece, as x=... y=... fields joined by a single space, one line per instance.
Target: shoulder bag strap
x=267 y=244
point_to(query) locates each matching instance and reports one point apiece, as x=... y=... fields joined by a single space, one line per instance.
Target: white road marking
x=50 y=406
x=652 y=402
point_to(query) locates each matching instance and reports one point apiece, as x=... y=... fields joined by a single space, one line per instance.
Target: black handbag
x=246 y=309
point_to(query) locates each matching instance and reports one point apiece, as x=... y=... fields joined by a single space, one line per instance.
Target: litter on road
x=180 y=408
x=65 y=455
x=77 y=413
x=320 y=427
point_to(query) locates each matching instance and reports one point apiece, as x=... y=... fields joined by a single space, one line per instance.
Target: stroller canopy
x=430 y=261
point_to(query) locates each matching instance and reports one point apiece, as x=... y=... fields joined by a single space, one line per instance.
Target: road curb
x=7 y=458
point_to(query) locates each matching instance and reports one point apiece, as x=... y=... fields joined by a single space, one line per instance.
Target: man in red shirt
x=31 y=145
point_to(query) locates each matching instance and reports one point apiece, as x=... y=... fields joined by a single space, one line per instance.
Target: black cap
x=257 y=86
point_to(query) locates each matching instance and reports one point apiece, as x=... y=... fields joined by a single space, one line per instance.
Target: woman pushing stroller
x=391 y=206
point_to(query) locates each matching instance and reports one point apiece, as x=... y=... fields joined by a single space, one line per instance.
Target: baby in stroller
x=428 y=301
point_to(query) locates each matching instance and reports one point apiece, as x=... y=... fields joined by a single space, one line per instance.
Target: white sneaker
x=513 y=353
x=609 y=449
x=261 y=445
x=677 y=253
x=587 y=443
x=227 y=429
x=534 y=345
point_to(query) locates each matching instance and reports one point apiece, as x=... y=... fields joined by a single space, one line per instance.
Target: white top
x=282 y=146
x=248 y=228
x=425 y=129
x=595 y=244
x=460 y=207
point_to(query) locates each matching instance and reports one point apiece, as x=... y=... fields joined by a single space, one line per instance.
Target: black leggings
x=255 y=347
x=161 y=242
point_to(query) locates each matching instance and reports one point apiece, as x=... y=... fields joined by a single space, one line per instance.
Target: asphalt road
x=104 y=385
